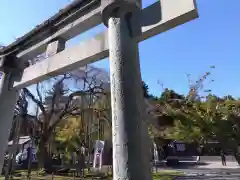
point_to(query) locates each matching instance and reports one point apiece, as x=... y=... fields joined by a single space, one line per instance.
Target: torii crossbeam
x=127 y=25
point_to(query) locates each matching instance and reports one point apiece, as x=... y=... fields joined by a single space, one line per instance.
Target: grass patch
x=166 y=175
x=162 y=175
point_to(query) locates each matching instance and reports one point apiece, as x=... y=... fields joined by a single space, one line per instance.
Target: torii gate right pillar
x=131 y=153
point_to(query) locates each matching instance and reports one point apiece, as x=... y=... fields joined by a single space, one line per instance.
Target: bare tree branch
x=64 y=111
x=38 y=93
x=56 y=94
x=70 y=111
x=38 y=102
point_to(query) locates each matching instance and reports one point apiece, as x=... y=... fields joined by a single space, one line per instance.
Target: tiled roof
x=22 y=140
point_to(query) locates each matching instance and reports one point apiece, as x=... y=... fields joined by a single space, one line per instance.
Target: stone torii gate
x=127 y=25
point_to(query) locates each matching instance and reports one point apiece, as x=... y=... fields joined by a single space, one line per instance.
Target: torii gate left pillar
x=8 y=99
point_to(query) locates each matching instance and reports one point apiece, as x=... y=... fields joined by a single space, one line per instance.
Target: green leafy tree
x=60 y=101
x=202 y=116
x=52 y=111
x=70 y=134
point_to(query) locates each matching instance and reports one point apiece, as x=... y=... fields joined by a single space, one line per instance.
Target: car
x=179 y=151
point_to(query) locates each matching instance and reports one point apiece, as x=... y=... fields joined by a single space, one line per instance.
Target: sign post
x=98 y=154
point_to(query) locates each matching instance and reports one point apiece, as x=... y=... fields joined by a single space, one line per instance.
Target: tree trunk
x=237 y=155
x=30 y=155
x=43 y=154
x=13 y=151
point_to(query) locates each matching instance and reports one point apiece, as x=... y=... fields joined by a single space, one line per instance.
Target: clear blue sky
x=213 y=39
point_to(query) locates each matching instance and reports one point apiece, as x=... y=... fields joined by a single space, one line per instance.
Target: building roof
x=22 y=140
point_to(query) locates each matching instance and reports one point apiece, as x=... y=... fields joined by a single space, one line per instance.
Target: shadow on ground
x=182 y=165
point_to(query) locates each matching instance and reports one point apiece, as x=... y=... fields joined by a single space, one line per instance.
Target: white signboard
x=98 y=153
x=181 y=147
x=155 y=153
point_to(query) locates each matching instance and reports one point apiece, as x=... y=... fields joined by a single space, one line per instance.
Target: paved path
x=210 y=175
x=209 y=169
x=218 y=165
x=212 y=171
